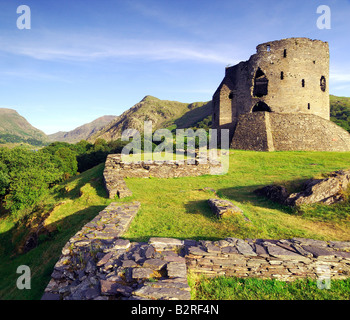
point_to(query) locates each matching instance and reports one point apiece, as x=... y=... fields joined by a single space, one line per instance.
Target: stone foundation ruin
x=97 y=265
x=116 y=170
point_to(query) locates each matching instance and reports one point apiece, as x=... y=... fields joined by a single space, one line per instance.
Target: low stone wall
x=116 y=170
x=285 y=260
x=97 y=265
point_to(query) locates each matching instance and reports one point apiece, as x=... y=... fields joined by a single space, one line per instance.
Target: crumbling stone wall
x=285 y=75
x=278 y=98
x=97 y=265
x=285 y=260
x=116 y=170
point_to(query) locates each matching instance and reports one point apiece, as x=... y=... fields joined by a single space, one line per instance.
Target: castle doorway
x=261 y=106
x=260 y=84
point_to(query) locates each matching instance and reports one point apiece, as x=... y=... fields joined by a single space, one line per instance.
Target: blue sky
x=84 y=59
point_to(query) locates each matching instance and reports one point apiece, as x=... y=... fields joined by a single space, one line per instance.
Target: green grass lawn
x=223 y=288
x=178 y=208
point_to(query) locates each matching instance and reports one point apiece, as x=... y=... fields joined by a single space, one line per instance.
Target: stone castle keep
x=279 y=99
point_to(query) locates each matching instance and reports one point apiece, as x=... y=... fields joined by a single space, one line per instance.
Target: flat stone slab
x=154 y=264
x=176 y=270
x=149 y=292
x=113 y=288
x=318 y=252
x=165 y=243
x=105 y=259
x=142 y=273
x=343 y=245
x=223 y=208
x=244 y=248
x=310 y=242
x=281 y=253
x=121 y=244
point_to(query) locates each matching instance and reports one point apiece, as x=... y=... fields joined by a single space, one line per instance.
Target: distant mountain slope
x=340 y=111
x=83 y=132
x=16 y=129
x=162 y=113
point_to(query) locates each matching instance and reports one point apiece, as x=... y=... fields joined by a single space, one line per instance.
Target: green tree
x=67 y=161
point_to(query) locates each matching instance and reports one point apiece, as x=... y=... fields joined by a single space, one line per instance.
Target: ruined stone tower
x=279 y=99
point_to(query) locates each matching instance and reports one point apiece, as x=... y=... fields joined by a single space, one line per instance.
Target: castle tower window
x=260 y=84
x=303 y=83
x=323 y=83
x=308 y=106
x=230 y=96
x=282 y=75
x=268 y=48
x=261 y=106
x=285 y=53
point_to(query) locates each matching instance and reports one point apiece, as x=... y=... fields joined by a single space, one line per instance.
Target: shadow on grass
x=247 y=195
x=41 y=258
x=95 y=179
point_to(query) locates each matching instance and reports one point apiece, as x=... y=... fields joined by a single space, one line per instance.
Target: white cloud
x=340 y=77
x=78 y=47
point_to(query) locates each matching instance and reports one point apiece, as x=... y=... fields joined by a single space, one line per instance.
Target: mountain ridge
x=162 y=113
x=82 y=132
x=14 y=128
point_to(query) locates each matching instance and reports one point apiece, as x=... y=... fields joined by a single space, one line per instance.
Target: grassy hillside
x=340 y=111
x=177 y=208
x=68 y=208
x=16 y=129
x=162 y=113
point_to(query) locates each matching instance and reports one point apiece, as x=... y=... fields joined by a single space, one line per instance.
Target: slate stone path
x=96 y=264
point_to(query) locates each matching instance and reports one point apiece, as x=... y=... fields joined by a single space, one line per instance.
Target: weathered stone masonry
x=279 y=99
x=116 y=170
x=97 y=265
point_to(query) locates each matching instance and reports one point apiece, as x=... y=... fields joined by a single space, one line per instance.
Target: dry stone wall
x=116 y=170
x=96 y=264
x=285 y=260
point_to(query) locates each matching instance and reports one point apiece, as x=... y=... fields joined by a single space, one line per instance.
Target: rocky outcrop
x=328 y=191
x=223 y=208
x=273 y=192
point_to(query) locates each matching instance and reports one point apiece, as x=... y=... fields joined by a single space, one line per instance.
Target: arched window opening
x=230 y=96
x=303 y=83
x=285 y=53
x=261 y=106
x=268 y=48
x=282 y=75
x=323 y=83
x=308 y=106
x=260 y=84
